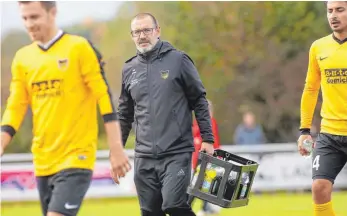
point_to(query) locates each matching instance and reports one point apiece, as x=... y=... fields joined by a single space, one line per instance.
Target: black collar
x=52 y=43
x=338 y=40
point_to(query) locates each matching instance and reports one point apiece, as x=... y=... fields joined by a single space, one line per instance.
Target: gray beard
x=147 y=49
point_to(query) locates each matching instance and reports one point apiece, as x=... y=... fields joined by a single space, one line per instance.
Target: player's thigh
x=147 y=185
x=70 y=187
x=327 y=158
x=175 y=181
x=45 y=192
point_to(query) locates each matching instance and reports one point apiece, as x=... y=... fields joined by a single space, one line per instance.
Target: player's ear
x=158 y=31
x=53 y=11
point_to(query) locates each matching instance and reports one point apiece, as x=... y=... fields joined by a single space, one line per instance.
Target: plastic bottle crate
x=230 y=163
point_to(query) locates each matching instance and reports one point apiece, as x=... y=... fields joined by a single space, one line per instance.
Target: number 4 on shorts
x=315 y=164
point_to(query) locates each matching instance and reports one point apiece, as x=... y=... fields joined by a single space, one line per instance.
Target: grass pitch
x=283 y=204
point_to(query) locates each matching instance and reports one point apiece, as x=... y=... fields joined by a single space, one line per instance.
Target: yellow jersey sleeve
x=311 y=90
x=94 y=77
x=17 y=102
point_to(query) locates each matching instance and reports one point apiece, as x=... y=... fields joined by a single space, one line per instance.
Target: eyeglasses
x=146 y=31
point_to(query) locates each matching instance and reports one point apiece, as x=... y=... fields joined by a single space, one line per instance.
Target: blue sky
x=69 y=12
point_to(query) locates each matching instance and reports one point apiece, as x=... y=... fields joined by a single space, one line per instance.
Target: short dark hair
x=326 y=2
x=143 y=15
x=45 y=4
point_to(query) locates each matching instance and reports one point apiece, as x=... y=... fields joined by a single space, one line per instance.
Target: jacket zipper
x=154 y=149
x=136 y=132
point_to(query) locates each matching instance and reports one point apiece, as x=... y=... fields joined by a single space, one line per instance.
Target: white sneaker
x=214 y=208
x=201 y=213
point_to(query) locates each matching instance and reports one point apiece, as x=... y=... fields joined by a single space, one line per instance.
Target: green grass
x=260 y=205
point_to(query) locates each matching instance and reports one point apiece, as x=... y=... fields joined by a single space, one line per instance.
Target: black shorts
x=64 y=191
x=329 y=156
x=162 y=184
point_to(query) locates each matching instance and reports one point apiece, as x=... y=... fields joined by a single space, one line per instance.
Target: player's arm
x=16 y=107
x=125 y=111
x=310 y=93
x=196 y=95
x=94 y=77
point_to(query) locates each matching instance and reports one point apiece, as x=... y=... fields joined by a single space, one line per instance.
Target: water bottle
x=232 y=177
x=216 y=181
x=195 y=177
x=308 y=145
x=210 y=174
x=230 y=186
x=244 y=185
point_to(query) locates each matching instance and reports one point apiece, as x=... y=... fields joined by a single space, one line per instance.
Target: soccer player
x=61 y=77
x=161 y=87
x=327 y=69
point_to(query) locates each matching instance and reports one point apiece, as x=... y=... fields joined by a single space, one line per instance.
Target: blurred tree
x=249 y=54
x=271 y=80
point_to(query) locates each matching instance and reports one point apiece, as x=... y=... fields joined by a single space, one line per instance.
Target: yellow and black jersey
x=63 y=85
x=327 y=70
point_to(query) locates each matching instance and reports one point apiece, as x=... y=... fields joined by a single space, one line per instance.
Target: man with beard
x=327 y=68
x=160 y=88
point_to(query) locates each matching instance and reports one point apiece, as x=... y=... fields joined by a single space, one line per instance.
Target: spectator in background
x=249 y=132
x=206 y=207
